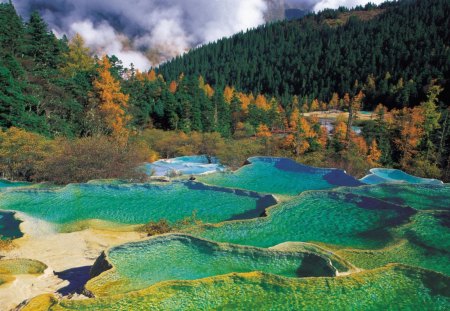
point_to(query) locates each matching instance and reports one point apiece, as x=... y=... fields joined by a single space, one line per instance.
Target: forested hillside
x=256 y=93
x=391 y=52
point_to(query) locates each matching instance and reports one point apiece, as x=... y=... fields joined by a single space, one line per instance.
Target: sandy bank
x=59 y=251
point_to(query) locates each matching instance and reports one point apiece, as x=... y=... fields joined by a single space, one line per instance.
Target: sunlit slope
x=395 y=286
x=181 y=257
x=134 y=203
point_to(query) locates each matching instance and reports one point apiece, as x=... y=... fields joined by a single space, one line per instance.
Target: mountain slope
x=395 y=53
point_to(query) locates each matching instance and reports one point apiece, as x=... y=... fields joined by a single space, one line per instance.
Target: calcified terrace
x=274 y=233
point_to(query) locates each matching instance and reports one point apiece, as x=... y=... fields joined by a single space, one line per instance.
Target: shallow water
x=132 y=203
x=406 y=288
x=5 y=184
x=178 y=257
x=418 y=196
x=384 y=175
x=280 y=176
x=326 y=216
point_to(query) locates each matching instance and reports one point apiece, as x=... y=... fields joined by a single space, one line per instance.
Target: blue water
x=9 y=226
x=5 y=184
x=280 y=176
x=383 y=175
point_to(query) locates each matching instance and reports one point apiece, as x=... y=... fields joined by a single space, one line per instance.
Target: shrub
x=88 y=158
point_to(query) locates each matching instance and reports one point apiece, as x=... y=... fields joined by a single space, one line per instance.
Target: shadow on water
x=260 y=211
x=77 y=278
x=334 y=177
x=263 y=201
x=314 y=266
x=10 y=226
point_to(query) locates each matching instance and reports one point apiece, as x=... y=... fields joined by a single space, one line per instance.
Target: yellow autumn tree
x=294 y=119
x=22 y=153
x=151 y=75
x=374 y=153
x=314 y=105
x=339 y=132
x=410 y=123
x=262 y=103
x=360 y=144
x=109 y=104
x=263 y=131
x=207 y=89
x=323 y=137
x=299 y=141
x=228 y=94
x=334 y=102
x=245 y=102
x=78 y=57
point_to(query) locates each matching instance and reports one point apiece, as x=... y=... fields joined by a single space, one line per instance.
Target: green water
x=431 y=230
x=178 y=257
x=324 y=216
x=391 y=288
x=128 y=203
x=5 y=184
x=420 y=197
x=280 y=176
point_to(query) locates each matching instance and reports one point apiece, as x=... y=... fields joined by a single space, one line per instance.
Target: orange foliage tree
x=173 y=87
x=263 y=131
x=261 y=103
x=334 y=102
x=109 y=103
x=410 y=123
x=374 y=153
x=228 y=94
x=314 y=105
x=151 y=75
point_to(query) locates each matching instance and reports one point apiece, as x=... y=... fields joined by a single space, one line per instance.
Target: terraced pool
x=135 y=203
x=181 y=257
x=280 y=176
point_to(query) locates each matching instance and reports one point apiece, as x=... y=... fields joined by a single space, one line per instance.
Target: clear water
x=325 y=216
x=389 y=288
x=130 y=203
x=280 y=176
x=5 y=184
x=179 y=257
x=384 y=175
x=188 y=165
x=418 y=196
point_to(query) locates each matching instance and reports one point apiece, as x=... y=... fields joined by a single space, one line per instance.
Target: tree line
x=391 y=52
x=69 y=116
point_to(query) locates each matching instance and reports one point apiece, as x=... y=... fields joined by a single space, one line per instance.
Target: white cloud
x=334 y=4
x=102 y=38
x=145 y=32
